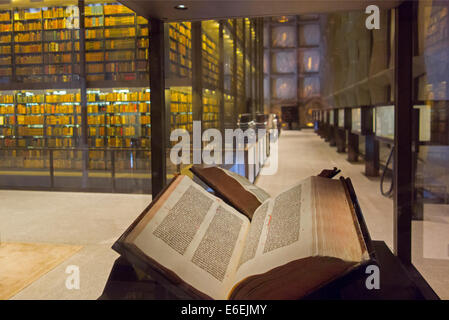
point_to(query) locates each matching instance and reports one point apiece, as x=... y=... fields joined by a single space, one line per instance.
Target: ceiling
x=219 y=9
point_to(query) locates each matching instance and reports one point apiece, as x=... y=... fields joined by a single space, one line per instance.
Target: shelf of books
x=119 y=119
x=180 y=50
x=181 y=116
x=210 y=62
x=116 y=43
x=33 y=120
x=46 y=44
x=211 y=110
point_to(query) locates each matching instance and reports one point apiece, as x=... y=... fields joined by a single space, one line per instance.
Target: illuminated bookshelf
x=211 y=109
x=116 y=44
x=180 y=49
x=119 y=118
x=210 y=54
x=180 y=102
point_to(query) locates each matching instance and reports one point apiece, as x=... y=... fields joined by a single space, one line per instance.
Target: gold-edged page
x=287 y=233
x=337 y=228
x=197 y=236
x=259 y=193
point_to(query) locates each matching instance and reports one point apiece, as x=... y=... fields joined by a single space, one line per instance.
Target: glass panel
x=309 y=60
x=309 y=35
x=284 y=88
x=430 y=226
x=309 y=87
x=283 y=62
x=283 y=36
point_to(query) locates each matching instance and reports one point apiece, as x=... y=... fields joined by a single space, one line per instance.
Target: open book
x=296 y=242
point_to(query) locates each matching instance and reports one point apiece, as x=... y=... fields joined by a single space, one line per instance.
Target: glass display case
x=384 y=122
x=341 y=118
x=356 y=120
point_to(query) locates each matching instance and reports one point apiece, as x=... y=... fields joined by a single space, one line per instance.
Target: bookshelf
x=33 y=120
x=116 y=44
x=180 y=102
x=211 y=109
x=180 y=50
x=46 y=45
x=6 y=59
x=119 y=118
x=210 y=55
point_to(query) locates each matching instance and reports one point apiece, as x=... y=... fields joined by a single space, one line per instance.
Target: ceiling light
x=181 y=7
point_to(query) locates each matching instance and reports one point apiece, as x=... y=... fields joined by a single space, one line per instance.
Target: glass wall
x=218 y=86
x=72 y=119
x=430 y=230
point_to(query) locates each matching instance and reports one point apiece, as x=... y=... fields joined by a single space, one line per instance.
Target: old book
x=200 y=247
x=232 y=188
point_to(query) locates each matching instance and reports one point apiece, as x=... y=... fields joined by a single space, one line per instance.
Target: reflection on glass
x=284 y=88
x=309 y=60
x=309 y=87
x=309 y=35
x=283 y=36
x=284 y=62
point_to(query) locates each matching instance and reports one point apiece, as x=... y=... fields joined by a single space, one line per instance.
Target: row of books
x=211 y=110
x=44 y=108
x=180 y=49
x=142 y=107
x=210 y=61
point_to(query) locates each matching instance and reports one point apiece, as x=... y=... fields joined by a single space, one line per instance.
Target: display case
x=341 y=118
x=356 y=120
x=384 y=122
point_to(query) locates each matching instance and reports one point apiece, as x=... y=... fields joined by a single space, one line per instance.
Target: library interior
x=91 y=92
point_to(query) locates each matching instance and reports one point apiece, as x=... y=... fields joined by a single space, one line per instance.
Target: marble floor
x=95 y=221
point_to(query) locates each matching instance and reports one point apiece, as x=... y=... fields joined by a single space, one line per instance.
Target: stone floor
x=95 y=221
x=91 y=220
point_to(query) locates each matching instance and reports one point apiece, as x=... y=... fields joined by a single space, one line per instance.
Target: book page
x=282 y=231
x=195 y=235
x=313 y=218
x=259 y=193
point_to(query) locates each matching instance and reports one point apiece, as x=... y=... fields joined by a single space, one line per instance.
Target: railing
x=104 y=169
